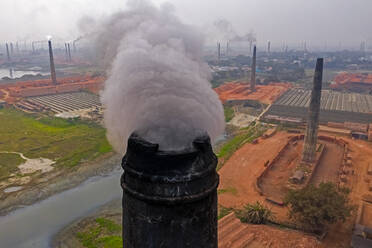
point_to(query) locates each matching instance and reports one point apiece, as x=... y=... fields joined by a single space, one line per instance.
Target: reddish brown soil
x=234 y=234
x=366 y=219
x=274 y=182
x=241 y=91
x=242 y=169
x=329 y=165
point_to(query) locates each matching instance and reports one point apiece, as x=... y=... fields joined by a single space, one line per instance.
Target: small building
x=369 y=171
x=359 y=135
x=297 y=177
x=361 y=237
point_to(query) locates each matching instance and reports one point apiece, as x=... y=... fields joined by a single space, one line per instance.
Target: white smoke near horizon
x=158 y=84
x=223 y=30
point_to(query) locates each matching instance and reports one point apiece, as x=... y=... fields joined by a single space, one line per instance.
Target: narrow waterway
x=12 y=73
x=34 y=226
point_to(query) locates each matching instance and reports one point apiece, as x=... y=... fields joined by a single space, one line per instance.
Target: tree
x=317 y=207
x=255 y=214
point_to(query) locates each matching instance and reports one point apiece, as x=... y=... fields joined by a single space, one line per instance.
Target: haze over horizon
x=318 y=22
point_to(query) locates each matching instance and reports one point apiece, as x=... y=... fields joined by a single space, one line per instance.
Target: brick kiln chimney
x=52 y=67
x=219 y=51
x=11 y=48
x=227 y=48
x=7 y=52
x=253 y=70
x=169 y=197
x=311 y=135
x=69 y=52
x=66 y=51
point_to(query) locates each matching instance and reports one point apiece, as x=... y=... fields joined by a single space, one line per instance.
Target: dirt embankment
x=67 y=238
x=58 y=181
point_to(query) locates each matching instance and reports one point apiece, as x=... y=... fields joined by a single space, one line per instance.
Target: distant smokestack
x=268 y=46
x=169 y=197
x=7 y=52
x=66 y=52
x=33 y=47
x=363 y=46
x=253 y=70
x=11 y=49
x=219 y=51
x=69 y=52
x=227 y=48
x=52 y=67
x=311 y=135
x=17 y=47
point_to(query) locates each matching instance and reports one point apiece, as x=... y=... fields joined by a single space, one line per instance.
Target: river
x=35 y=225
x=13 y=74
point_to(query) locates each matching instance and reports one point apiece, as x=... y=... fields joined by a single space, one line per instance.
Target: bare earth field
x=246 y=164
x=241 y=91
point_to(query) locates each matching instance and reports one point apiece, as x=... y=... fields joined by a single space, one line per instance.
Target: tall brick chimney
x=169 y=197
x=219 y=51
x=69 y=52
x=311 y=135
x=253 y=70
x=52 y=67
x=8 y=53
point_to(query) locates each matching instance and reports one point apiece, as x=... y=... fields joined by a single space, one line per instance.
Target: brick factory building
x=351 y=111
x=12 y=92
x=357 y=82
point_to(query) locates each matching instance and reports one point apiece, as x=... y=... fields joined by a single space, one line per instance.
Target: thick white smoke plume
x=158 y=83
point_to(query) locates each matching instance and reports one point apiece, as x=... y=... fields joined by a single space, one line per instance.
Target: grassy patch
x=245 y=136
x=104 y=234
x=68 y=142
x=222 y=211
x=229 y=113
x=9 y=163
x=230 y=190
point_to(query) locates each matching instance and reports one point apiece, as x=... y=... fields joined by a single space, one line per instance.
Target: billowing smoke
x=223 y=30
x=158 y=84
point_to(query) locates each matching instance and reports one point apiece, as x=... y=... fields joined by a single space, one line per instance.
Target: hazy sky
x=316 y=21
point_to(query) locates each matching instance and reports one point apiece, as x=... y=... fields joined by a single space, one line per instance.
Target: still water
x=34 y=226
x=11 y=73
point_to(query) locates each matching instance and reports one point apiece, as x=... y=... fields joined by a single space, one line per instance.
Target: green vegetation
x=68 y=142
x=9 y=163
x=222 y=211
x=229 y=113
x=104 y=234
x=230 y=190
x=245 y=135
x=314 y=208
x=255 y=214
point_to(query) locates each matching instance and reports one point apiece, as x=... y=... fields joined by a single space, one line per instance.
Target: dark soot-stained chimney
x=11 y=48
x=311 y=135
x=169 y=197
x=66 y=51
x=69 y=52
x=52 y=67
x=219 y=51
x=7 y=52
x=253 y=70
